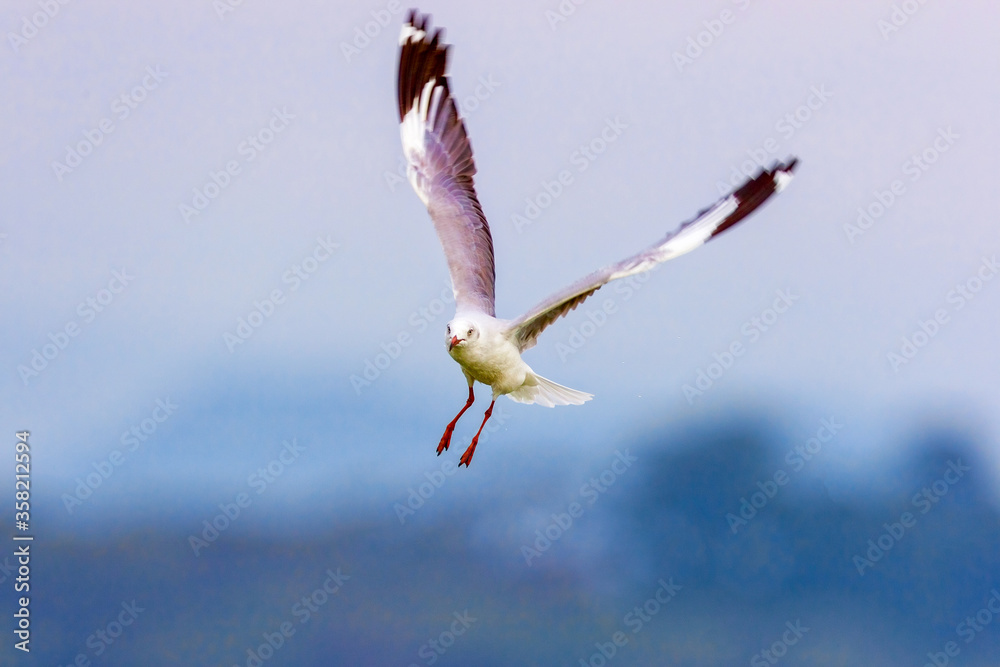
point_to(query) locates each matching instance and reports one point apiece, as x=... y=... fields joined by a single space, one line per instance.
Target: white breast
x=492 y=359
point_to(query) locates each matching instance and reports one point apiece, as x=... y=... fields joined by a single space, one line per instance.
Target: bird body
x=440 y=168
x=488 y=355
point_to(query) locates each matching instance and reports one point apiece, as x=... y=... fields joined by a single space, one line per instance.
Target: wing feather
x=705 y=226
x=440 y=164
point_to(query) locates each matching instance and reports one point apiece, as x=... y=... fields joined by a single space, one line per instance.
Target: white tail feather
x=537 y=389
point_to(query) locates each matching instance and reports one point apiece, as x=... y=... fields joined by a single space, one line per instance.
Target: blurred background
x=223 y=328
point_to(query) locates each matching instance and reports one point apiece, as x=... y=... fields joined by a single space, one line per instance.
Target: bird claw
x=445 y=441
x=467 y=456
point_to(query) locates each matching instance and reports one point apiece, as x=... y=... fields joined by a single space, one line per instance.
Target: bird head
x=460 y=333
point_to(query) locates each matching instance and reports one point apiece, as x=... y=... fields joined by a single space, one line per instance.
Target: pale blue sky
x=325 y=175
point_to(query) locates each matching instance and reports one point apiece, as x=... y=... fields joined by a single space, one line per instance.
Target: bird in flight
x=440 y=168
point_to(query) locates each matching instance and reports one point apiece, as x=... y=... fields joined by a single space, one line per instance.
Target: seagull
x=440 y=168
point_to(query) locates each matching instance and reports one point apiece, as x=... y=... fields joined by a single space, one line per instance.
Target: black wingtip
x=420 y=60
x=751 y=195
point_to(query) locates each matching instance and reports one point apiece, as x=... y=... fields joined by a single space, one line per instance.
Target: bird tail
x=537 y=389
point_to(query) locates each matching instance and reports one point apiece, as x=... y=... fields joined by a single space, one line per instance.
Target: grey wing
x=441 y=167
x=708 y=224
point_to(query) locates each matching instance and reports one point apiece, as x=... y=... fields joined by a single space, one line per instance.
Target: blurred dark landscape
x=661 y=520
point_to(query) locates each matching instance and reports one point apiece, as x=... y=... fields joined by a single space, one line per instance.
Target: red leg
x=467 y=456
x=446 y=438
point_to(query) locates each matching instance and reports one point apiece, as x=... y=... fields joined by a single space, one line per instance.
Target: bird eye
x=449 y=328
x=470 y=332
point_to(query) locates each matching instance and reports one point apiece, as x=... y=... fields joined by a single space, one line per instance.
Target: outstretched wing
x=441 y=168
x=706 y=225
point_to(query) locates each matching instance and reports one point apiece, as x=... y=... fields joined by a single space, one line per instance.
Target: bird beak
x=454 y=341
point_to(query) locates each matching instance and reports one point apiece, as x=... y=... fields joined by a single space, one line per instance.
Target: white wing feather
x=707 y=224
x=440 y=165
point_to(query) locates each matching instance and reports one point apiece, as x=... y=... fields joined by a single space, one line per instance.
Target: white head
x=460 y=333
